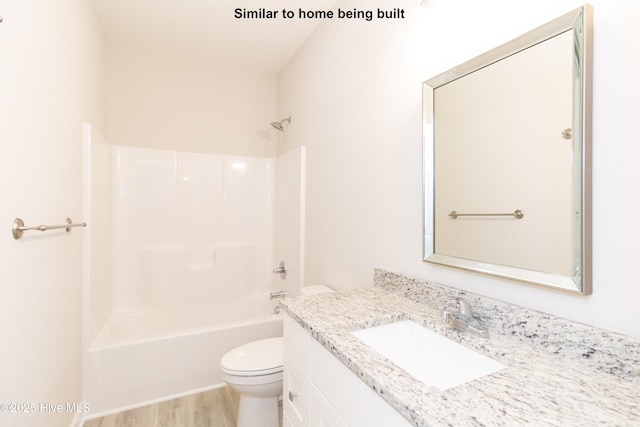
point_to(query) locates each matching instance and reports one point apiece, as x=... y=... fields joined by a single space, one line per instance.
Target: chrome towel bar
x=18 y=228
x=518 y=214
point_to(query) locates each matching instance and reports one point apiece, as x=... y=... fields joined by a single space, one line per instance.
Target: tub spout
x=279 y=294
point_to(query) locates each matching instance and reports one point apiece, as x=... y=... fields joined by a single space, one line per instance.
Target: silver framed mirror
x=507 y=169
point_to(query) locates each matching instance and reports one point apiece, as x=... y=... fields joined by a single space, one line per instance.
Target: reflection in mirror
x=507 y=166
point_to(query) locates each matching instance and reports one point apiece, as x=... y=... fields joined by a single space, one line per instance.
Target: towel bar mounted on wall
x=18 y=228
x=518 y=214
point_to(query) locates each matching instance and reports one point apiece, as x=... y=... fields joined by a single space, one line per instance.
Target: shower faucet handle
x=281 y=270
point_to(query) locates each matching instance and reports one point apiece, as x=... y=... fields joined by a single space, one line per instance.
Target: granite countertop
x=538 y=387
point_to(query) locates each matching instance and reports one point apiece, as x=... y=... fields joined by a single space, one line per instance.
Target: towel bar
x=518 y=214
x=18 y=228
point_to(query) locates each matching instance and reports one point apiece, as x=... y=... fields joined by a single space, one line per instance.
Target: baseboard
x=78 y=420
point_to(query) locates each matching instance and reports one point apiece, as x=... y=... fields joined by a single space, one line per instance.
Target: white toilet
x=255 y=371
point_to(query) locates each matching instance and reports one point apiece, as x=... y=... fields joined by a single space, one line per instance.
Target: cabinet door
x=295 y=396
x=295 y=393
x=356 y=403
x=296 y=342
x=321 y=413
x=286 y=422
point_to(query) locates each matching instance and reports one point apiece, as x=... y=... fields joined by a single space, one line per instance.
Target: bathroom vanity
x=558 y=373
x=321 y=391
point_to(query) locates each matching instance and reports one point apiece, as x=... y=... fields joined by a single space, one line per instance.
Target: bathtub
x=147 y=356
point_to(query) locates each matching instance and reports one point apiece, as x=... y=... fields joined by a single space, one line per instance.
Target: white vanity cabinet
x=319 y=391
x=296 y=382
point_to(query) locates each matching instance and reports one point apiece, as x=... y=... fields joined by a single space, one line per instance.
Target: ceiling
x=209 y=28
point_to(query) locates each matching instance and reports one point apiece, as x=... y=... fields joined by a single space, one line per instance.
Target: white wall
x=51 y=82
x=354 y=90
x=158 y=99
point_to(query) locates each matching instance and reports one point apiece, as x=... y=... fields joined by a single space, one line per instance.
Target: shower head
x=278 y=125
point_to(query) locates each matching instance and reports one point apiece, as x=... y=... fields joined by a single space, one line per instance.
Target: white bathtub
x=153 y=355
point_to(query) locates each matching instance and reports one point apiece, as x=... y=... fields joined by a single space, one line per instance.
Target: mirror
x=506 y=159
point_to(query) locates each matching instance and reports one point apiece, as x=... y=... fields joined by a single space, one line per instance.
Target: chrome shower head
x=278 y=125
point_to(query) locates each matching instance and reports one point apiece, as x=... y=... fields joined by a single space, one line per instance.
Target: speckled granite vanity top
x=559 y=373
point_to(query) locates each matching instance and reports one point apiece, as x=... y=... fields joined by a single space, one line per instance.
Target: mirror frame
x=579 y=22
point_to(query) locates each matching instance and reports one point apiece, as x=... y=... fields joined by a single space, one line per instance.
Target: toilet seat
x=257 y=358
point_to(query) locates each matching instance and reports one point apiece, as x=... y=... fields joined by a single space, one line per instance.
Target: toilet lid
x=261 y=357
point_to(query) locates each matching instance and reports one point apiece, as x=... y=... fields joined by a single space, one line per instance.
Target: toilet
x=255 y=371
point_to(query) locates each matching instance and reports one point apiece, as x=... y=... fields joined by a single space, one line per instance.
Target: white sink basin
x=431 y=358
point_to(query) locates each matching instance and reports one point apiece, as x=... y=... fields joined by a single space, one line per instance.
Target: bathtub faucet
x=279 y=294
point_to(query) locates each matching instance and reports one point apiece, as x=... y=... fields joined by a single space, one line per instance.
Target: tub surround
x=559 y=372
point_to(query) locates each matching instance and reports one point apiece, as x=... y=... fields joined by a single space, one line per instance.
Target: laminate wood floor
x=213 y=408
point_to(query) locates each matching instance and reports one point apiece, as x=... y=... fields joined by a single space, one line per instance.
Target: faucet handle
x=281 y=269
x=464 y=306
x=463 y=319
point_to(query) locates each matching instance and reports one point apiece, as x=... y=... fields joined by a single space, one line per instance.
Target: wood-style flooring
x=213 y=408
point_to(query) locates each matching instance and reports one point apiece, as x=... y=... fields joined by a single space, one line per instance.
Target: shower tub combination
x=178 y=268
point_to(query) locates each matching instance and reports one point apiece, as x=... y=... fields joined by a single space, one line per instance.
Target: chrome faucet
x=281 y=269
x=463 y=320
x=278 y=294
